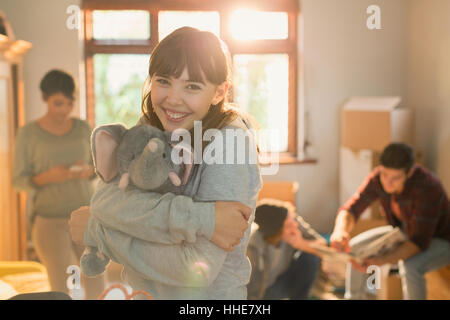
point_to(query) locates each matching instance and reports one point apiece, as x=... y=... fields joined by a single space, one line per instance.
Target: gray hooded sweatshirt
x=163 y=240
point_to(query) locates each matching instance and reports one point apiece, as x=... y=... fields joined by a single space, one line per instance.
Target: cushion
x=6 y=290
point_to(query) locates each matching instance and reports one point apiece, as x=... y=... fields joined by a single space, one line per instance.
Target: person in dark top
x=414 y=200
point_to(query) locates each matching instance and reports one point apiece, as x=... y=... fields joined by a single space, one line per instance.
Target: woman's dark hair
x=56 y=81
x=398 y=156
x=270 y=215
x=206 y=58
x=270 y=219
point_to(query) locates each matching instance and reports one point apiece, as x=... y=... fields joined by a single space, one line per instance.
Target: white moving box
x=354 y=167
x=374 y=122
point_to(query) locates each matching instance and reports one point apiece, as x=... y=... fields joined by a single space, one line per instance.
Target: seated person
x=282 y=266
x=414 y=200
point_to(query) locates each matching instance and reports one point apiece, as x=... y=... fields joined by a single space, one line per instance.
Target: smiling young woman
x=200 y=235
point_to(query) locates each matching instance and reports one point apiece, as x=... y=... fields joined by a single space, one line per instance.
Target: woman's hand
x=81 y=170
x=57 y=174
x=87 y=171
x=294 y=238
x=77 y=224
x=231 y=222
x=339 y=240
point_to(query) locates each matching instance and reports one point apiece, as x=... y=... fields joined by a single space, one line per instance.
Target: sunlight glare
x=203 y=20
x=253 y=25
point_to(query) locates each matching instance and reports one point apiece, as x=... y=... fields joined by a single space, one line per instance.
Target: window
x=261 y=36
x=134 y=24
x=169 y=21
x=261 y=87
x=258 y=25
x=118 y=86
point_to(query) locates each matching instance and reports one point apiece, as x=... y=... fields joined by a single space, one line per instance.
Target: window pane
x=123 y=24
x=261 y=87
x=254 y=25
x=118 y=87
x=168 y=21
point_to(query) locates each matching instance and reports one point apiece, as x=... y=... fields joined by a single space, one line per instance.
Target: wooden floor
x=328 y=288
x=325 y=289
x=438 y=284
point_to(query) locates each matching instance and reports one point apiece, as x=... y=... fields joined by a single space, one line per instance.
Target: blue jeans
x=412 y=271
x=296 y=282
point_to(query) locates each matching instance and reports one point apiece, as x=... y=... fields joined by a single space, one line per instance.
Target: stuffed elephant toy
x=140 y=156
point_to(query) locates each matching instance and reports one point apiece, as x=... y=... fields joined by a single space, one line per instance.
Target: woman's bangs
x=198 y=70
x=167 y=64
x=199 y=63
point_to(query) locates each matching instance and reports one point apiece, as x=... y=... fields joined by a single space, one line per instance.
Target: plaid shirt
x=424 y=205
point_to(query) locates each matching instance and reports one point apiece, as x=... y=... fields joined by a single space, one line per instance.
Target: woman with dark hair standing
x=52 y=158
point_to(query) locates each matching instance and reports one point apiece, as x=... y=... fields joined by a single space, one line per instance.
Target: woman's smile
x=175 y=116
x=178 y=102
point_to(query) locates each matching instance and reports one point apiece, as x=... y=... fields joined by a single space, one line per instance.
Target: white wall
x=342 y=58
x=428 y=91
x=43 y=23
x=408 y=57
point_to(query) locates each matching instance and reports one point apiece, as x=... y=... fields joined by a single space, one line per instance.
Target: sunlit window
x=262 y=42
x=124 y=24
x=169 y=21
x=118 y=87
x=254 y=25
x=261 y=87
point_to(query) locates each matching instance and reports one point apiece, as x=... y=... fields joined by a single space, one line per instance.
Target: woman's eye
x=194 y=87
x=162 y=81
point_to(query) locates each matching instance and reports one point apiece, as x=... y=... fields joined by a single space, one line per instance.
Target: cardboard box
x=354 y=167
x=374 y=122
x=280 y=190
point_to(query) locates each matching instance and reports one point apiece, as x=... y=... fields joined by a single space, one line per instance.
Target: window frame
x=287 y=46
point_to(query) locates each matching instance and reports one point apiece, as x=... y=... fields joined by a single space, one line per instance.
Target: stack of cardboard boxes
x=368 y=124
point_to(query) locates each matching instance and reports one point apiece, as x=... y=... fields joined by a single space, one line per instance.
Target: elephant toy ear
x=188 y=160
x=105 y=140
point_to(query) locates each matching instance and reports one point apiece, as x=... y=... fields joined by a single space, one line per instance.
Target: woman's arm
x=22 y=172
x=169 y=218
x=340 y=237
x=57 y=174
x=150 y=216
x=174 y=263
x=24 y=178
